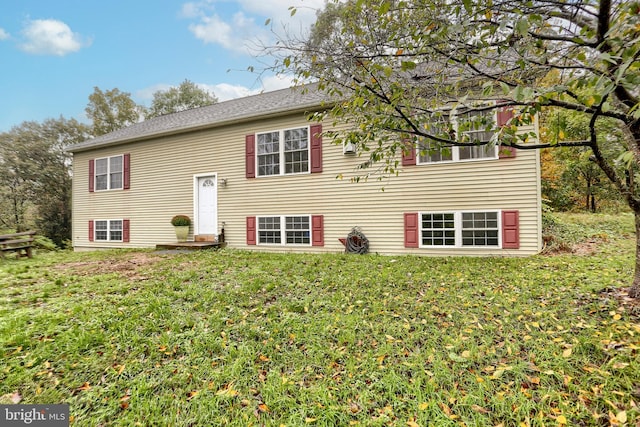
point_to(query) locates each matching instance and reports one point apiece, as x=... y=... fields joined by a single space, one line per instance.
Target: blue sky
x=53 y=53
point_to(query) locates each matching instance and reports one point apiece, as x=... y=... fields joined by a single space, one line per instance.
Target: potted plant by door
x=181 y=224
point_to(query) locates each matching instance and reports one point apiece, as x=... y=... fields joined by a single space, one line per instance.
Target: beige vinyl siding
x=162 y=180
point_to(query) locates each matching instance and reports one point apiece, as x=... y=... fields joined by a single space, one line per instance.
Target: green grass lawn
x=242 y=338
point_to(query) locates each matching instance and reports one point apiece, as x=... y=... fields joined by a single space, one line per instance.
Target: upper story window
x=477 y=127
x=109 y=173
x=432 y=151
x=283 y=152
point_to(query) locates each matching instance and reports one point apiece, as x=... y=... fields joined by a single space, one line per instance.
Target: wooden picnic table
x=21 y=243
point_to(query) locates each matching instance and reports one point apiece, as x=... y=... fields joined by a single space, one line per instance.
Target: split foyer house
x=258 y=168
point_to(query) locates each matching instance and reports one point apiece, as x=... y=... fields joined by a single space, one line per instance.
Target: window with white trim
x=284 y=230
x=432 y=151
x=283 y=152
x=460 y=229
x=109 y=173
x=476 y=127
x=108 y=230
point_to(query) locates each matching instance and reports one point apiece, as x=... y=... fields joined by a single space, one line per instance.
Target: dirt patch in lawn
x=128 y=266
x=585 y=248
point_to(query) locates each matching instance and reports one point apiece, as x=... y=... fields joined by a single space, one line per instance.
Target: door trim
x=196 y=201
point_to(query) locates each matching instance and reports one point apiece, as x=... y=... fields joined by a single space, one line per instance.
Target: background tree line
x=35 y=169
x=571 y=179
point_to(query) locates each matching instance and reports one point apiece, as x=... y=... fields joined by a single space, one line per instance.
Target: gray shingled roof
x=233 y=111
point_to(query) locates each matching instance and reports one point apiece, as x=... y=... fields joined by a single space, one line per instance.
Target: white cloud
x=191 y=10
x=194 y=9
x=222 y=91
x=239 y=34
x=244 y=30
x=280 y=10
x=3 y=34
x=279 y=81
x=213 y=30
x=146 y=94
x=51 y=37
x=225 y=91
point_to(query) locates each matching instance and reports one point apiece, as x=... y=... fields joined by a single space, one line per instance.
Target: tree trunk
x=586 y=199
x=634 y=291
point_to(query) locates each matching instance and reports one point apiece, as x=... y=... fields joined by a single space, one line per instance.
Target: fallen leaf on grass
x=263 y=408
x=497 y=374
x=618 y=419
x=230 y=393
x=227 y=390
x=445 y=408
x=14 y=398
x=480 y=409
x=124 y=400
x=456 y=358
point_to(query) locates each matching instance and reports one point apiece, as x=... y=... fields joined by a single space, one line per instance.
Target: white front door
x=207 y=205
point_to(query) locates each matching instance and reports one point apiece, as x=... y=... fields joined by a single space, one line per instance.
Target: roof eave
x=78 y=148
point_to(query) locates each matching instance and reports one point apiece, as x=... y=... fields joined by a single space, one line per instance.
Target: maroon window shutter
x=125 y=230
x=504 y=115
x=409 y=157
x=510 y=230
x=316 y=148
x=92 y=174
x=126 y=169
x=91 y=230
x=251 y=230
x=250 y=156
x=505 y=152
x=317 y=230
x=411 y=230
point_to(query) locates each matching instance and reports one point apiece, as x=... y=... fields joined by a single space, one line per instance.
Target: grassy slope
x=242 y=338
